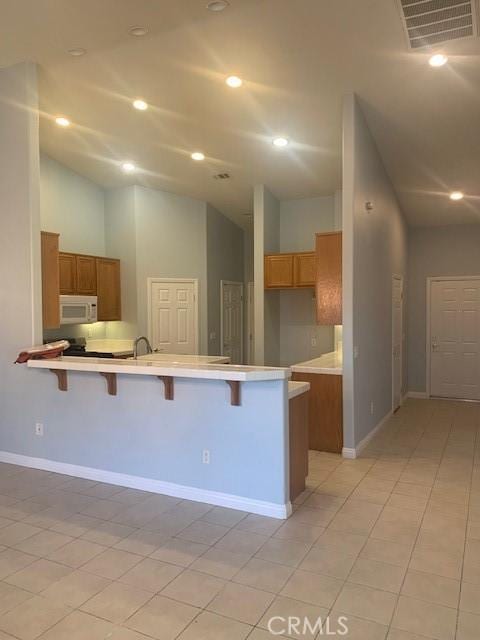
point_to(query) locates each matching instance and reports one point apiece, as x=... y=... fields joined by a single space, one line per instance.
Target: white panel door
x=397 y=340
x=455 y=339
x=232 y=320
x=173 y=316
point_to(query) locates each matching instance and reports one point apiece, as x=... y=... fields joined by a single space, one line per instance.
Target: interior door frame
x=222 y=284
x=250 y=310
x=396 y=276
x=194 y=281
x=430 y=280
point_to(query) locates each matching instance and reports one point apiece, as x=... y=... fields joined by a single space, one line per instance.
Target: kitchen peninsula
x=215 y=433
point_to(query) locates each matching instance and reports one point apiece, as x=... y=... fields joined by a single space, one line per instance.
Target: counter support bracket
x=168 y=384
x=234 y=392
x=111 y=383
x=62 y=378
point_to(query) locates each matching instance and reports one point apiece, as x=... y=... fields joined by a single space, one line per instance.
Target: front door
x=232 y=320
x=455 y=338
x=173 y=316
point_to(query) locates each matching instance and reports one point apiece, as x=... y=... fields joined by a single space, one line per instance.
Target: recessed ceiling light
x=438 y=60
x=138 y=32
x=141 y=105
x=62 y=122
x=456 y=195
x=197 y=155
x=128 y=167
x=280 y=142
x=217 y=5
x=78 y=51
x=234 y=82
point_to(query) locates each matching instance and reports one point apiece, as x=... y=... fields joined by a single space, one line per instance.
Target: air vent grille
x=431 y=22
x=221 y=176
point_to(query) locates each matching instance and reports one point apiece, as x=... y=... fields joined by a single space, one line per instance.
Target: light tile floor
x=390 y=540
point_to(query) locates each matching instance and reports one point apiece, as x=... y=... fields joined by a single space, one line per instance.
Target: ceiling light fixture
x=78 y=51
x=141 y=105
x=234 y=82
x=456 y=195
x=280 y=142
x=197 y=155
x=62 y=122
x=217 y=5
x=438 y=60
x=138 y=32
x=128 y=167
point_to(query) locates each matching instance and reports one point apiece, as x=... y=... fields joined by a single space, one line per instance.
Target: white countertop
x=329 y=363
x=297 y=388
x=151 y=368
x=107 y=345
x=176 y=358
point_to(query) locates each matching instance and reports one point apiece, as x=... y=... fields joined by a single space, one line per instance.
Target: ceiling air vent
x=221 y=176
x=431 y=22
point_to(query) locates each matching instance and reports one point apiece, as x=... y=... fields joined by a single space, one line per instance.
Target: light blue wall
x=300 y=220
x=72 y=206
x=224 y=262
x=171 y=243
x=375 y=248
x=271 y=244
x=136 y=432
x=120 y=237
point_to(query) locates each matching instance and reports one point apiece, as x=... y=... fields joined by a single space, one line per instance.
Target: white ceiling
x=297 y=57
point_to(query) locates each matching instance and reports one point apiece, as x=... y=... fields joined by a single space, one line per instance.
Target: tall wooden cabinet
x=328 y=249
x=50 y=280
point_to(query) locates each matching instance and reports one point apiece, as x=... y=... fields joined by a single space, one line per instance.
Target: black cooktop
x=78 y=348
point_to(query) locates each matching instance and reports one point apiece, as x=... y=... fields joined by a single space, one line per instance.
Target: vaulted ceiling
x=297 y=59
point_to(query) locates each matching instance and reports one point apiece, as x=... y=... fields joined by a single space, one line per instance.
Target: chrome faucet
x=135 y=346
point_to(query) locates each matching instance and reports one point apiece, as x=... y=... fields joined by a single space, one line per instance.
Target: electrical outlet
x=372 y=408
x=314 y=342
x=39 y=429
x=206 y=456
x=355 y=352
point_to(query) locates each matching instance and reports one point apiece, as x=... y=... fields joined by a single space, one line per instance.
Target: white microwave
x=78 y=309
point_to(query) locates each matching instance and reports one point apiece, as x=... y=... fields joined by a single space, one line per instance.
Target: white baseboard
x=422 y=395
x=351 y=454
x=260 y=507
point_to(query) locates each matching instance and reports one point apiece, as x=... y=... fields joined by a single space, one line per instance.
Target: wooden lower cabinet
x=298 y=440
x=325 y=411
x=108 y=289
x=50 y=280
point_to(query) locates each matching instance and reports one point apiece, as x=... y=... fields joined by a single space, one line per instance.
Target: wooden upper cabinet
x=279 y=271
x=287 y=270
x=68 y=273
x=304 y=272
x=50 y=280
x=108 y=289
x=329 y=278
x=86 y=267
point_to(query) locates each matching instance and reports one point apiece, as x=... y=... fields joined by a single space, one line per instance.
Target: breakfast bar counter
x=215 y=433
